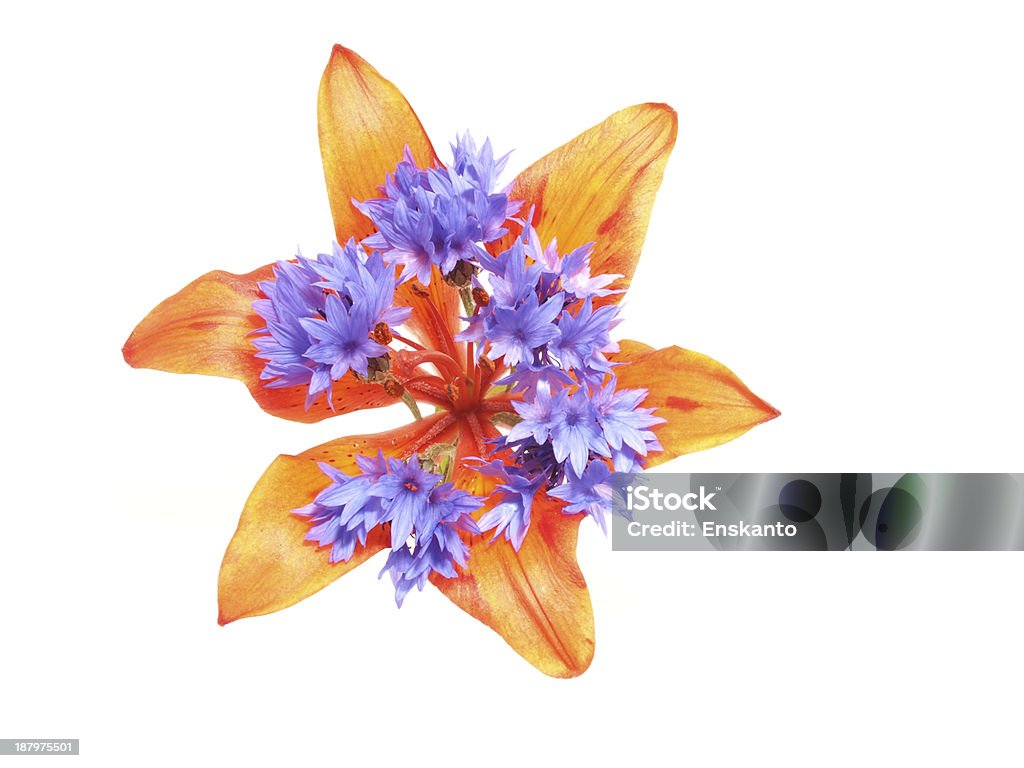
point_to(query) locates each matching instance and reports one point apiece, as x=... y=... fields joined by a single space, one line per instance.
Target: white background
x=840 y=224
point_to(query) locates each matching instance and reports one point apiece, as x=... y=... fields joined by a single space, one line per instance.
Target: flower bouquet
x=491 y=306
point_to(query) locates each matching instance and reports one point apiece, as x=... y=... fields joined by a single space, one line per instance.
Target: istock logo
x=642 y=498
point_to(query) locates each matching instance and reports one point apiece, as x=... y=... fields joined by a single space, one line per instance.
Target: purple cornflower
x=584 y=337
x=406 y=491
x=511 y=514
x=537 y=417
x=528 y=379
x=402 y=493
x=344 y=513
x=625 y=425
x=438 y=546
x=575 y=431
x=590 y=493
x=516 y=333
x=362 y=279
x=542 y=321
x=290 y=296
x=440 y=216
x=342 y=339
x=319 y=315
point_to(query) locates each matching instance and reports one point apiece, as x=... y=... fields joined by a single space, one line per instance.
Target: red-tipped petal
x=204 y=329
x=705 y=404
x=365 y=124
x=268 y=564
x=600 y=187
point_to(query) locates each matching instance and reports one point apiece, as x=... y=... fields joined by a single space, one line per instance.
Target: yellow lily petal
x=268 y=565
x=365 y=124
x=600 y=187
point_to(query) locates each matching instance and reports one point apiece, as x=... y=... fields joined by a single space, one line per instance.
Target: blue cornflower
x=343 y=513
x=437 y=549
x=352 y=493
x=478 y=170
x=319 y=314
x=291 y=295
x=407 y=571
x=542 y=321
x=513 y=279
x=527 y=266
x=575 y=275
x=402 y=493
x=406 y=233
x=481 y=167
x=356 y=277
x=511 y=282
x=539 y=319
x=575 y=431
x=583 y=337
x=440 y=216
x=537 y=417
x=534 y=460
x=406 y=490
x=516 y=333
x=590 y=492
x=529 y=276
x=625 y=425
x=452 y=507
x=528 y=379
x=511 y=514
x=326 y=529
x=342 y=338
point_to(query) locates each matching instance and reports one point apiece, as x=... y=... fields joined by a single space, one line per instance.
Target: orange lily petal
x=204 y=329
x=536 y=598
x=600 y=188
x=705 y=403
x=268 y=564
x=365 y=124
x=435 y=313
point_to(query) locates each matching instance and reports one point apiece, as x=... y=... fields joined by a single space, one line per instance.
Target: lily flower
x=402 y=312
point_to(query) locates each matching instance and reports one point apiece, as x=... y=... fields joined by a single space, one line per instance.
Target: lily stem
x=466 y=294
x=413 y=406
